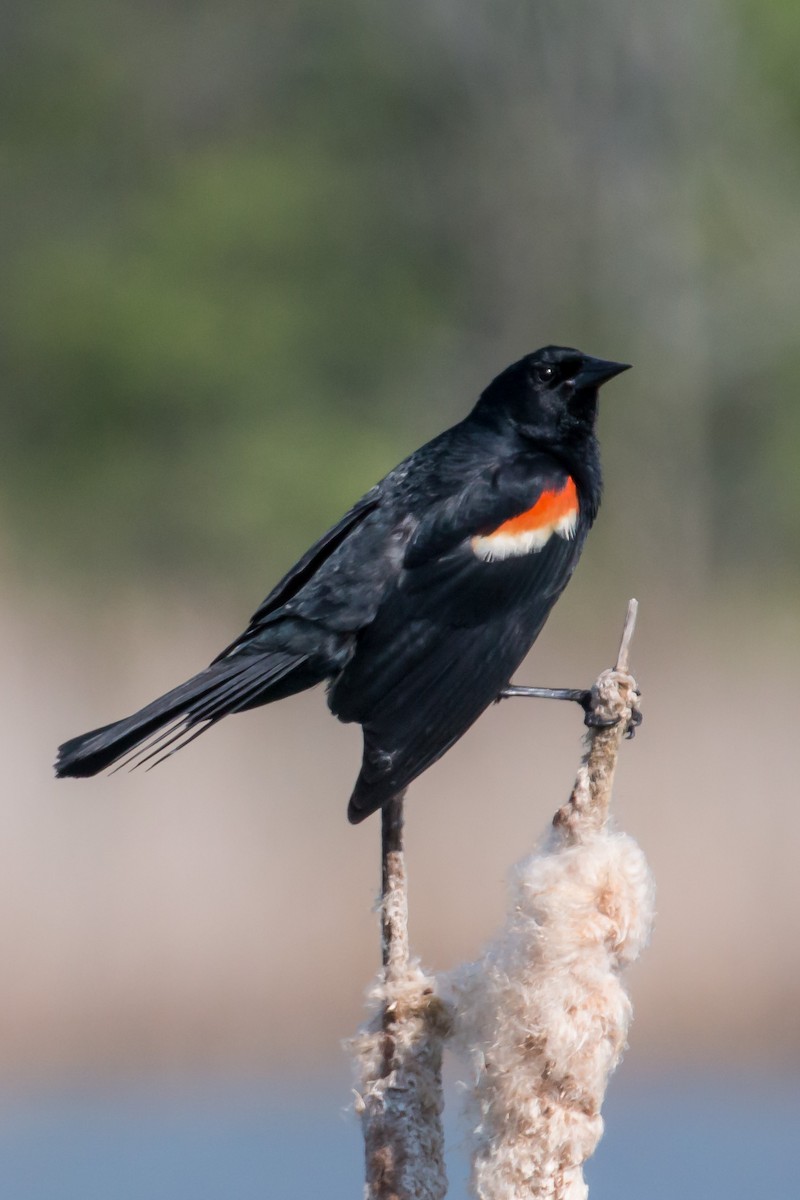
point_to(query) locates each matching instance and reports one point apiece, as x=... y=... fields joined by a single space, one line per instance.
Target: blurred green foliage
x=207 y=298
x=771 y=32
x=254 y=253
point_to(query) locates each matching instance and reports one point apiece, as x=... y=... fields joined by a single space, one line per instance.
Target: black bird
x=418 y=606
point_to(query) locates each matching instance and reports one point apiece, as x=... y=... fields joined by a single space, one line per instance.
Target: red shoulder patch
x=551 y=508
x=555 y=512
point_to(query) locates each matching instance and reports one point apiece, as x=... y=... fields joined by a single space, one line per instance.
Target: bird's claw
x=595 y=720
x=634 y=721
x=591 y=718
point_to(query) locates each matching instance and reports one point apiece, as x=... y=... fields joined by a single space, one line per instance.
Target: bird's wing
x=523 y=497
x=305 y=568
x=479 y=583
x=450 y=583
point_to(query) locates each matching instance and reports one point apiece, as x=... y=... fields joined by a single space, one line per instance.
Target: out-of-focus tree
x=252 y=254
x=218 y=273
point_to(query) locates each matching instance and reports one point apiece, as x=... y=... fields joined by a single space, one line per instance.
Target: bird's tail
x=176 y=718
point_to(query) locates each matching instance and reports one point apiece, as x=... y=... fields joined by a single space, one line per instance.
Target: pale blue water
x=692 y=1138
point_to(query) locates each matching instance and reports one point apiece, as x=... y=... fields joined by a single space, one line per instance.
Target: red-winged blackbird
x=422 y=601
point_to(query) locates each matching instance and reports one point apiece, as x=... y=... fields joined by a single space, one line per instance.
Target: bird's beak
x=596 y=371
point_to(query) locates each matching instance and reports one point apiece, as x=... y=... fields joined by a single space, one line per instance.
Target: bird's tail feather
x=179 y=716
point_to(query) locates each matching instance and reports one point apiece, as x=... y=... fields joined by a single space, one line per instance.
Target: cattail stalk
x=399 y=1054
x=541 y=1017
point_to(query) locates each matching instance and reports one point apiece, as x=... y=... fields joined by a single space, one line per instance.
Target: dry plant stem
x=394 y=896
x=543 y=1015
x=399 y=1055
x=614 y=694
x=627 y=635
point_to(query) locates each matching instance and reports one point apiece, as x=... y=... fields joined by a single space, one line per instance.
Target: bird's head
x=550 y=395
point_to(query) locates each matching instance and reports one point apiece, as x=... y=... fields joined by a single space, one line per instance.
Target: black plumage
x=420 y=603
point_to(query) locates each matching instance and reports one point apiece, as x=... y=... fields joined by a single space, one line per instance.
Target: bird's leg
x=580 y=696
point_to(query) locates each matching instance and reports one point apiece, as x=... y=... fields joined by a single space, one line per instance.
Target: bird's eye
x=545 y=374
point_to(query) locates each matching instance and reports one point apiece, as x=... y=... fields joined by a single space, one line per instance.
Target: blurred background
x=253 y=254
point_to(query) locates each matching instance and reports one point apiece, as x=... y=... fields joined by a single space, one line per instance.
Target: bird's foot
x=613 y=691
x=596 y=720
x=634 y=721
x=593 y=707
